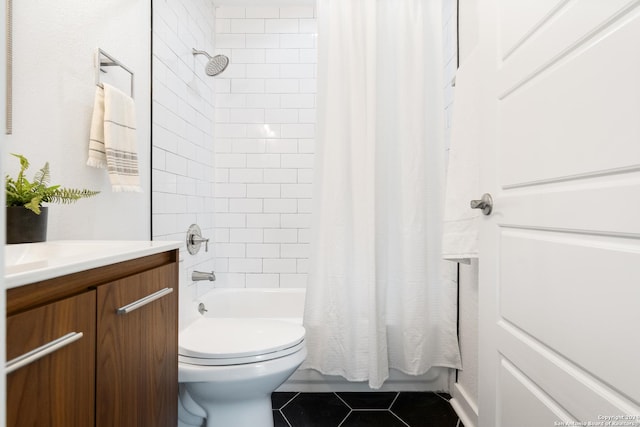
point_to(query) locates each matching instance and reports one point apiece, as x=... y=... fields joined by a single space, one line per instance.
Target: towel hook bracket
x=103 y=59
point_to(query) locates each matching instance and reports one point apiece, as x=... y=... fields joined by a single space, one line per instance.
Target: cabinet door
x=53 y=385
x=137 y=362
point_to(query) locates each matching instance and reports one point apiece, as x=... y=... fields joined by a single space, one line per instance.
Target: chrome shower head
x=215 y=65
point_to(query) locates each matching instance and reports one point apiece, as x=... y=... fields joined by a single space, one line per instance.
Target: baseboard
x=465 y=406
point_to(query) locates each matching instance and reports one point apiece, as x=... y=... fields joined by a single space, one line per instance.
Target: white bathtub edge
x=310 y=381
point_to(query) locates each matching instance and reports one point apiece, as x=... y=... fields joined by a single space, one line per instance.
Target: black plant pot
x=24 y=226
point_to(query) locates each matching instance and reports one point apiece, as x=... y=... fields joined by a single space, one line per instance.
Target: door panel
x=572 y=389
x=526 y=405
x=598 y=206
x=566 y=111
x=573 y=294
x=518 y=21
x=560 y=254
x=551 y=34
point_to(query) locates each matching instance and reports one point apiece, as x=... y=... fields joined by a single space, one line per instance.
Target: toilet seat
x=215 y=341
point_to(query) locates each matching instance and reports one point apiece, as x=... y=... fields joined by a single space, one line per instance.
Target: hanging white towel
x=460 y=235
x=112 y=142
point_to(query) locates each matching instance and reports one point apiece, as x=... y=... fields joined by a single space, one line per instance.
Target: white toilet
x=230 y=367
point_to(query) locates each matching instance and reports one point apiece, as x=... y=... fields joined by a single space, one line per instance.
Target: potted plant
x=26 y=217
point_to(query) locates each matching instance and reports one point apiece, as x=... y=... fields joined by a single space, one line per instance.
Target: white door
x=560 y=254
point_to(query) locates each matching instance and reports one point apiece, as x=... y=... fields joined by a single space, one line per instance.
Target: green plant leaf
x=69 y=195
x=21 y=192
x=34 y=205
x=43 y=176
x=24 y=163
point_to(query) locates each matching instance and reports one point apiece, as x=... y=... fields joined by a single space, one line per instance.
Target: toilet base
x=238 y=395
x=255 y=412
x=190 y=414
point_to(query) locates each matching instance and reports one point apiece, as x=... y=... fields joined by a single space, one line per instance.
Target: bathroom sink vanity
x=92 y=336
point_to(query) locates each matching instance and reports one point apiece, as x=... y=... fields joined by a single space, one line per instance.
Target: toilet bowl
x=230 y=366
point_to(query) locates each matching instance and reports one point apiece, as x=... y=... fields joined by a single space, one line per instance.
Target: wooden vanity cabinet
x=122 y=370
x=58 y=388
x=137 y=369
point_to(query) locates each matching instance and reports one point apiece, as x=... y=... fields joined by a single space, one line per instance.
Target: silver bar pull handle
x=42 y=351
x=144 y=301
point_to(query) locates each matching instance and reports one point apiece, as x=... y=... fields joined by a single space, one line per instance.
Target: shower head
x=215 y=64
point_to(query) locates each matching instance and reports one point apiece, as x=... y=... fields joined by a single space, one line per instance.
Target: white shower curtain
x=379 y=296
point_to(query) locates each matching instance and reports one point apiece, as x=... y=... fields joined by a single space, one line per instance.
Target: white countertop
x=32 y=262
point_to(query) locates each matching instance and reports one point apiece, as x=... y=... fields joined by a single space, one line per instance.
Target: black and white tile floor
x=374 y=409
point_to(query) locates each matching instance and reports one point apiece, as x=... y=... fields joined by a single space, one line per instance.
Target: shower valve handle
x=195 y=239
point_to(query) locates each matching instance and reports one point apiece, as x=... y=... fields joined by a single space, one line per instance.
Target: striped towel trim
x=122 y=162
x=112 y=143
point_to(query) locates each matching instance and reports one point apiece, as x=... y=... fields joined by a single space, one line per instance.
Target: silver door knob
x=485 y=203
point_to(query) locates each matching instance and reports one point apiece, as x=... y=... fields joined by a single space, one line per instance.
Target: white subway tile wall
x=183 y=150
x=264 y=143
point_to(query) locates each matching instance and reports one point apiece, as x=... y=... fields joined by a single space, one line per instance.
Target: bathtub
x=288 y=304
x=278 y=303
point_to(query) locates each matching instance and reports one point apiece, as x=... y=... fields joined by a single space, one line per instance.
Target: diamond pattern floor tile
x=278 y=419
x=368 y=400
x=425 y=410
x=372 y=409
x=378 y=418
x=278 y=400
x=315 y=410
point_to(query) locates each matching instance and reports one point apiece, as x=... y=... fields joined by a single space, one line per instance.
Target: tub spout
x=197 y=276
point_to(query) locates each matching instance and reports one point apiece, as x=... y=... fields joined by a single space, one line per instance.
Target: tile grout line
x=449 y=402
x=282 y=413
x=441 y=397
x=398 y=417
x=345 y=417
x=289 y=401
x=347 y=405
x=286 y=420
x=342 y=400
x=352 y=410
x=393 y=413
x=394 y=400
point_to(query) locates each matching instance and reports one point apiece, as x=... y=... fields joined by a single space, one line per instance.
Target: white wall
x=264 y=142
x=465 y=390
x=54 y=85
x=183 y=156
x=3 y=350
x=53 y=90
x=468 y=377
